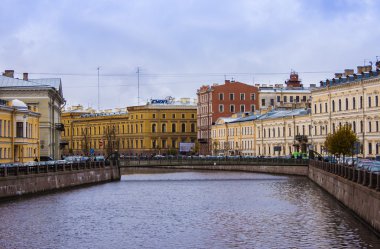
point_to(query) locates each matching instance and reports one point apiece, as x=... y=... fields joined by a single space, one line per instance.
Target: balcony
x=59 y=127
x=301 y=138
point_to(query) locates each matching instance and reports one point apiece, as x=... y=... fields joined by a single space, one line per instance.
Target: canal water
x=185 y=210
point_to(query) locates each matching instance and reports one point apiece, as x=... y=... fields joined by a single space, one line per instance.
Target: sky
x=180 y=45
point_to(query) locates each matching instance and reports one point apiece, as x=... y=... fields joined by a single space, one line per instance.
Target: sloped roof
x=284 y=113
x=48 y=82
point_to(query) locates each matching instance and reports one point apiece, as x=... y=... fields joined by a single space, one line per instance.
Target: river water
x=185 y=210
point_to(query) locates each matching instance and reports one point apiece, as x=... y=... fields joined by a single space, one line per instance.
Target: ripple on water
x=185 y=210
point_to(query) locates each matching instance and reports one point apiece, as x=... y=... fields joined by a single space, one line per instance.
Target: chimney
x=338 y=75
x=360 y=69
x=25 y=76
x=367 y=68
x=9 y=73
x=348 y=72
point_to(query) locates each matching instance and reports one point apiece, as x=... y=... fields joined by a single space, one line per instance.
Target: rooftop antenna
x=138 y=85
x=98 y=89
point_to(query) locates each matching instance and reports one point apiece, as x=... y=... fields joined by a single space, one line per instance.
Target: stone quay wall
x=32 y=182
x=351 y=187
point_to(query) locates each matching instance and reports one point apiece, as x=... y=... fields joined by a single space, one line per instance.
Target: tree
x=215 y=147
x=110 y=139
x=86 y=142
x=341 y=142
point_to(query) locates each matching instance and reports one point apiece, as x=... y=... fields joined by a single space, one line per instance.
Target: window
x=278 y=99
x=232 y=108
x=369 y=101
x=376 y=100
x=154 y=128
x=242 y=96
x=361 y=126
x=221 y=96
x=192 y=127
x=262 y=102
x=193 y=115
x=221 y=108
x=291 y=99
x=173 y=128
x=333 y=105
x=340 y=105
x=183 y=127
x=304 y=98
x=369 y=126
x=285 y=99
x=163 y=127
x=19 y=129
x=173 y=143
x=163 y=143
x=297 y=99
x=252 y=96
x=183 y=115
x=173 y=115
x=164 y=115
x=361 y=102
x=346 y=104
x=354 y=126
x=154 y=115
x=252 y=108
x=377 y=126
x=272 y=102
x=354 y=103
x=1 y=128
x=232 y=96
x=242 y=108
x=369 y=148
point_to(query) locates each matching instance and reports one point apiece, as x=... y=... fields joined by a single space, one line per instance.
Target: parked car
x=46 y=158
x=99 y=159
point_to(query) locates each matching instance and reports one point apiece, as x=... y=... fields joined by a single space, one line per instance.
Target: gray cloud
x=181 y=45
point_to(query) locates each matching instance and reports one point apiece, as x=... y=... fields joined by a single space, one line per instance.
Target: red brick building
x=222 y=101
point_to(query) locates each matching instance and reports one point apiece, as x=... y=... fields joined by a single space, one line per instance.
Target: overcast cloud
x=181 y=45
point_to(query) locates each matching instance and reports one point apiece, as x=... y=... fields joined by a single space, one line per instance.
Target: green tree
x=342 y=142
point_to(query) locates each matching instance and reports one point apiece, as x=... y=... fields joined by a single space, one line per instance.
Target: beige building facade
x=47 y=96
x=351 y=99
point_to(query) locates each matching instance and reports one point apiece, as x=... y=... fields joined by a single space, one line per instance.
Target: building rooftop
x=350 y=78
x=10 y=82
x=284 y=113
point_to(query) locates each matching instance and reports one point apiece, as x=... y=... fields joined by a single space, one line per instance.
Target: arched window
x=333 y=105
x=154 y=128
x=183 y=127
x=192 y=127
x=340 y=105
x=173 y=128
x=163 y=127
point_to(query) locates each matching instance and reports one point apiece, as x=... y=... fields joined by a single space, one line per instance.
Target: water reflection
x=185 y=210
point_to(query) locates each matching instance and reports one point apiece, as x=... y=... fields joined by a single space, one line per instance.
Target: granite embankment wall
x=301 y=170
x=363 y=200
x=22 y=184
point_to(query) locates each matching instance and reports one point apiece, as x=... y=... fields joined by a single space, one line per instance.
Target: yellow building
x=155 y=128
x=234 y=135
x=46 y=94
x=19 y=132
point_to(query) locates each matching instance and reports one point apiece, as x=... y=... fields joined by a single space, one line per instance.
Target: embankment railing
x=49 y=168
x=356 y=175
